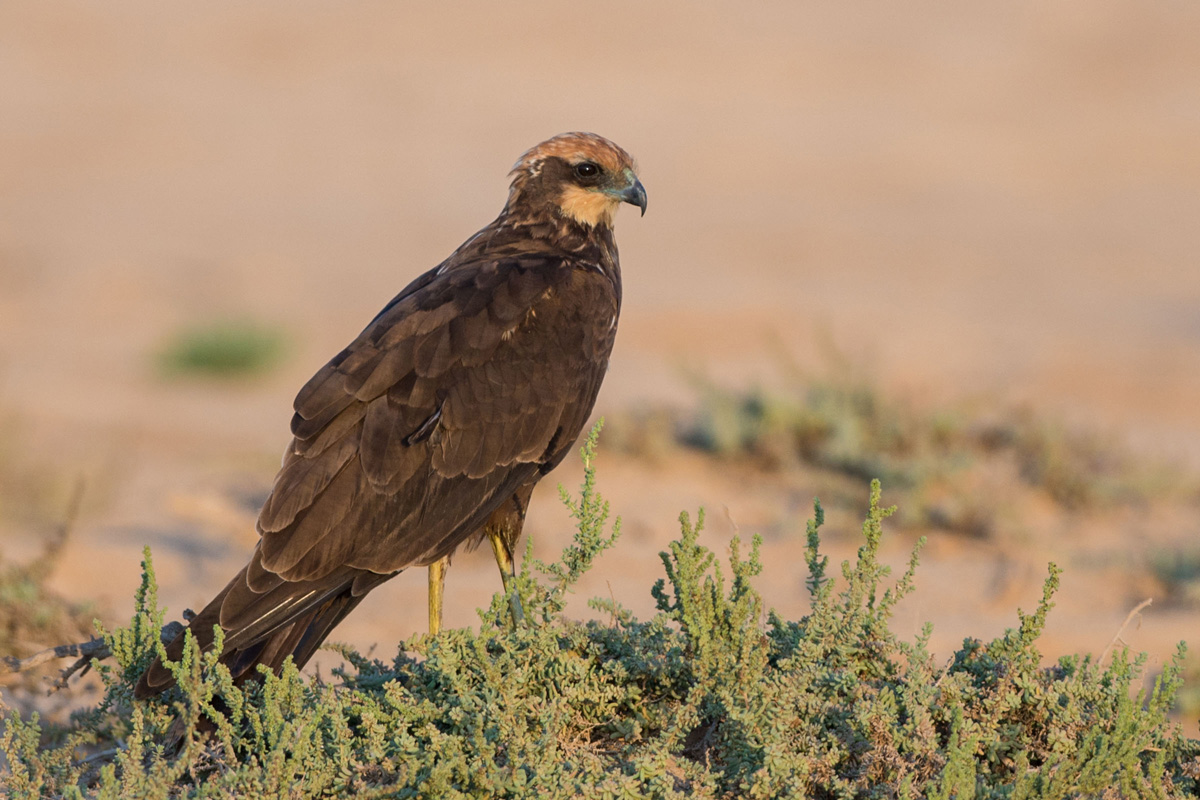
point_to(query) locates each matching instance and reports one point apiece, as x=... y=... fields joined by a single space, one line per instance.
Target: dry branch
x=83 y=652
x=1117 y=637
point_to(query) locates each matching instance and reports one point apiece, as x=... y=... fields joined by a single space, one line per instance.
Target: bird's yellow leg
x=437 y=587
x=508 y=574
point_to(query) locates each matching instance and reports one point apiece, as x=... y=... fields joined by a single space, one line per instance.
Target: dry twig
x=1117 y=637
x=83 y=652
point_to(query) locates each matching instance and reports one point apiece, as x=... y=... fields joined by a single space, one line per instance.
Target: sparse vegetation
x=707 y=699
x=1178 y=570
x=227 y=348
x=946 y=464
x=33 y=617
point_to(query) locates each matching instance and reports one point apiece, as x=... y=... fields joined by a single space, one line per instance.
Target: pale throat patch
x=588 y=206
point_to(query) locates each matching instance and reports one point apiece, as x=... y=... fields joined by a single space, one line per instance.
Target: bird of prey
x=432 y=427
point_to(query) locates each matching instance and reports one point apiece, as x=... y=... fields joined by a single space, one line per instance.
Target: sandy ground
x=970 y=202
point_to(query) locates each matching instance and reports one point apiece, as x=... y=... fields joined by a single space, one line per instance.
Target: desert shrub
x=1178 y=571
x=943 y=461
x=709 y=698
x=223 y=348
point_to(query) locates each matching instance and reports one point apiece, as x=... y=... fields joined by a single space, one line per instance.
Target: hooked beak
x=634 y=194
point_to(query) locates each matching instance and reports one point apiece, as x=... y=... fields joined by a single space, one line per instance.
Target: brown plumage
x=436 y=422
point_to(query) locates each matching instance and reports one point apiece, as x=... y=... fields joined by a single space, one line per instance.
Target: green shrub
x=706 y=699
x=227 y=348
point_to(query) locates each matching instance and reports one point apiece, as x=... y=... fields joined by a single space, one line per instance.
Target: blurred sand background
x=970 y=201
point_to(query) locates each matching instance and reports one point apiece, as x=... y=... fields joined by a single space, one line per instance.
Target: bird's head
x=578 y=175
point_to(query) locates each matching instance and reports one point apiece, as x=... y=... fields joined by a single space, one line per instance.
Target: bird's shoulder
x=505 y=278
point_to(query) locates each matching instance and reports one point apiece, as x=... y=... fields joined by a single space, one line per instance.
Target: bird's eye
x=587 y=169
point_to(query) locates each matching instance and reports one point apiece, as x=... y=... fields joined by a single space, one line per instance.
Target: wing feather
x=259 y=579
x=282 y=550
x=377 y=376
x=333 y=432
x=385 y=455
x=433 y=353
x=301 y=480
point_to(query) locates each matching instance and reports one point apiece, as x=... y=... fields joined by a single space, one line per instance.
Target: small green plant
x=222 y=349
x=710 y=698
x=1187 y=701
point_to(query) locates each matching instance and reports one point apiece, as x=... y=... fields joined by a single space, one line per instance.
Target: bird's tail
x=297 y=635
